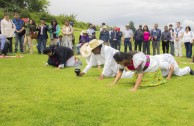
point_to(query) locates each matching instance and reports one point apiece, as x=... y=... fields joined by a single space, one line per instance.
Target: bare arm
x=138 y=82
x=170 y=72
x=118 y=77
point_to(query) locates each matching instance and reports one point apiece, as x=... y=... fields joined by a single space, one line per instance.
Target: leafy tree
x=132 y=26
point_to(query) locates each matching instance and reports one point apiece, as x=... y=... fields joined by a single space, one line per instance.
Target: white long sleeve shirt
x=188 y=37
x=110 y=66
x=7 y=28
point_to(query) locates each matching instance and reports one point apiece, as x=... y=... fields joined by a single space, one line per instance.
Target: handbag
x=33 y=35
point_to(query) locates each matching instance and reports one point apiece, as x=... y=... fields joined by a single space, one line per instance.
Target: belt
x=147 y=63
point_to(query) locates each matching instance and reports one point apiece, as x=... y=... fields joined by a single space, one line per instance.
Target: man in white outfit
x=178 y=34
x=169 y=66
x=105 y=54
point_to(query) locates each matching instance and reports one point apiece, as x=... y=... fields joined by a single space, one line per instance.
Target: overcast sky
x=120 y=12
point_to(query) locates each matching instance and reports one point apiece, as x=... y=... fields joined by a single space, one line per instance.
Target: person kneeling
x=60 y=56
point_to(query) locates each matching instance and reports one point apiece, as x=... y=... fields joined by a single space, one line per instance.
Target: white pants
x=181 y=72
x=68 y=43
x=127 y=74
x=69 y=63
x=178 y=47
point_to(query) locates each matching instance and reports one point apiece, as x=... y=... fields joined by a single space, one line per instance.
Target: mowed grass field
x=32 y=94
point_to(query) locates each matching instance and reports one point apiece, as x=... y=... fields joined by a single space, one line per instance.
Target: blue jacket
x=156 y=33
x=18 y=23
x=104 y=36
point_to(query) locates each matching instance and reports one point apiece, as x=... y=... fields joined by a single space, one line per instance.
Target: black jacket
x=60 y=55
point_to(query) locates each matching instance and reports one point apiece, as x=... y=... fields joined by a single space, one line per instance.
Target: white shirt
x=140 y=59
x=90 y=31
x=110 y=66
x=188 y=37
x=128 y=33
x=179 y=31
x=171 y=35
x=7 y=28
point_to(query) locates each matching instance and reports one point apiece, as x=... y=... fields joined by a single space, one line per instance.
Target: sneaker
x=191 y=72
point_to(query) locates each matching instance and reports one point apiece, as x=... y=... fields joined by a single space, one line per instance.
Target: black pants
x=138 y=44
x=5 y=49
x=146 y=47
x=165 y=46
x=10 y=45
x=113 y=44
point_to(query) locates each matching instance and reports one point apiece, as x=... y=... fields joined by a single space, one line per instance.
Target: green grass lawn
x=32 y=94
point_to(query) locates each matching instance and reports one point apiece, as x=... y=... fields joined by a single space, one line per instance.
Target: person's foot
x=191 y=72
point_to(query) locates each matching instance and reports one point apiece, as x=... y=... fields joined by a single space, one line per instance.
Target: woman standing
x=67 y=31
x=30 y=31
x=146 y=40
x=8 y=28
x=54 y=30
x=146 y=68
x=188 y=40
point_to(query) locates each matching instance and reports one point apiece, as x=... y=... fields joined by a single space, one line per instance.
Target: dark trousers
x=19 y=39
x=165 y=46
x=119 y=45
x=5 y=49
x=10 y=45
x=172 y=48
x=146 y=47
x=138 y=44
x=41 y=44
x=127 y=43
x=113 y=44
x=188 y=47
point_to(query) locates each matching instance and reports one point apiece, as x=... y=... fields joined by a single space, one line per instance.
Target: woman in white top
x=188 y=40
x=146 y=68
x=67 y=31
x=8 y=28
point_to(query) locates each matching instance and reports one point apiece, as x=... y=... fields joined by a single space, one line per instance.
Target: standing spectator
x=19 y=33
x=178 y=33
x=138 y=37
x=84 y=38
x=42 y=35
x=156 y=34
x=30 y=29
x=188 y=40
x=114 y=38
x=165 y=40
x=54 y=30
x=104 y=35
x=171 y=39
x=146 y=40
x=7 y=29
x=4 y=44
x=120 y=34
x=0 y=25
x=91 y=32
x=103 y=24
x=67 y=31
x=128 y=35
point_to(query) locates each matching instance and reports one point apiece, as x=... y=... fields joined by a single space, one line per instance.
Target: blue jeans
x=188 y=47
x=78 y=48
x=41 y=44
x=20 y=39
x=113 y=44
x=127 y=43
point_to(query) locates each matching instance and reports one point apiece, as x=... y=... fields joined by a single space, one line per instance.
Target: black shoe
x=191 y=72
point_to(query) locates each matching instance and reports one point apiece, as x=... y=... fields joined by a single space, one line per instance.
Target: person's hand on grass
x=81 y=73
x=133 y=90
x=168 y=78
x=101 y=77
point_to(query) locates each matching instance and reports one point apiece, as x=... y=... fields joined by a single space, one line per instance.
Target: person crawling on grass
x=60 y=56
x=169 y=66
x=146 y=68
x=103 y=53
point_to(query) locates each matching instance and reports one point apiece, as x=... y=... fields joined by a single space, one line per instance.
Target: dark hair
x=146 y=27
x=54 y=21
x=6 y=14
x=120 y=56
x=165 y=26
x=188 y=28
x=33 y=22
x=179 y=22
x=47 y=50
x=170 y=25
x=16 y=13
x=103 y=23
